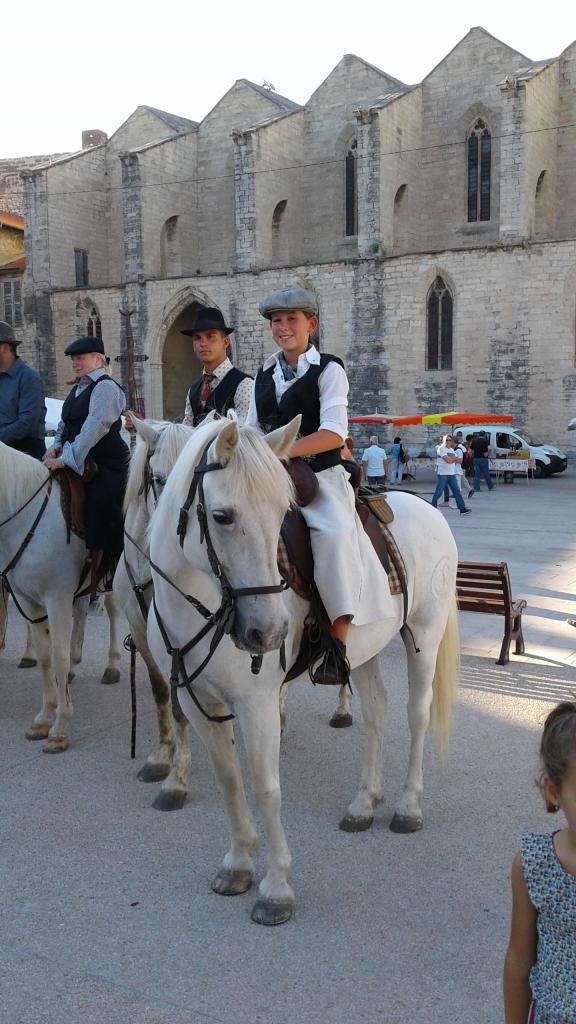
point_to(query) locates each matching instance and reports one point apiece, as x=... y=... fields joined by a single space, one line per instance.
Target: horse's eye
x=224 y=516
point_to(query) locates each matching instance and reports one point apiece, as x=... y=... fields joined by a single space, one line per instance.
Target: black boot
x=333 y=669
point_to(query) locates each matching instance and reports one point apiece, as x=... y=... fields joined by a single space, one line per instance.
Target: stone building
x=11 y=269
x=436 y=224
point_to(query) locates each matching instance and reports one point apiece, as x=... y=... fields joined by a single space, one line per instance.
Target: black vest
x=220 y=399
x=301 y=398
x=111 y=447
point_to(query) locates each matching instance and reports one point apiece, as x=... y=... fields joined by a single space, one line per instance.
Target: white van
x=504 y=439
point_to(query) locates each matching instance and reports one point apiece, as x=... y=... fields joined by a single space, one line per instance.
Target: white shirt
x=332 y=385
x=444 y=468
x=374 y=457
x=242 y=395
x=458 y=451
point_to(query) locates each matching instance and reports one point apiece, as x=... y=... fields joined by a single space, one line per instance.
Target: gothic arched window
x=479 y=170
x=93 y=325
x=351 y=188
x=439 y=327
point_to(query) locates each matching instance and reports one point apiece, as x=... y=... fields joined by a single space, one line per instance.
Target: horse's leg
x=236 y=872
x=159 y=763
x=29 y=658
x=60 y=618
x=42 y=723
x=112 y=671
x=421 y=666
x=79 y=613
x=174 y=791
x=259 y=719
x=342 y=717
x=373 y=700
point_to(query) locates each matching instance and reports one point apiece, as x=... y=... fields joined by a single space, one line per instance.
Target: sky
x=69 y=67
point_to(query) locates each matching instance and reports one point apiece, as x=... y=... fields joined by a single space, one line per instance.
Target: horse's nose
x=255 y=639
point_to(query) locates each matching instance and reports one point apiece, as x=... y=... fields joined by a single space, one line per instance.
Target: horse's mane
x=258 y=475
x=20 y=476
x=171 y=439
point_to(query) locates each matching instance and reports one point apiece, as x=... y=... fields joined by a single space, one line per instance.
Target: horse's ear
x=226 y=443
x=145 y=430
x=282 y=439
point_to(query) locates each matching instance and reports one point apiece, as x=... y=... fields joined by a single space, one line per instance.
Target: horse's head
x=242 y=502
x=158 y=445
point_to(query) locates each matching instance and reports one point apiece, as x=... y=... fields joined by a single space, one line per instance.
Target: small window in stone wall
x=352 y=189
x=439 y=327
x=11 y=302
x=94 y=325
x=479 y=171
x=81 y=267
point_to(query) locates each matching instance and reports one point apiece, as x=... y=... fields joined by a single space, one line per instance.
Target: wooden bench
x=485 y=587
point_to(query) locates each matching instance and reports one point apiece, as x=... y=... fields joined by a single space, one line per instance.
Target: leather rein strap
x=16 y=558
x=221 y=621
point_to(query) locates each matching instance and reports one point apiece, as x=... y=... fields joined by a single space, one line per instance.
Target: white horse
x=157 y=448
x=245 y=497
x=44 y=574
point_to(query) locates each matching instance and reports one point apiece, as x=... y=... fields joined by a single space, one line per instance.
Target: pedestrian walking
x=374 y=464
x=479 y=446
x=463 y=483
x=540 y=964
x=395 y=462
x=446 y=470
x=22 y=405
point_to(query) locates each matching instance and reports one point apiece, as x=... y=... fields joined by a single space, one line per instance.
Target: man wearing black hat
x=90 y=426
x=22 y=406
x=221 y=386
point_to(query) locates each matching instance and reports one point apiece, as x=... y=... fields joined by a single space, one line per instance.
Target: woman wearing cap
x=90 y=426
x=299 y=380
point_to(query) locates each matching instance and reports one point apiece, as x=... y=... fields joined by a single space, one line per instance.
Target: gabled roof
x=14 y=264
x=174 y=121
x=475 y=31
x=527 y=71
x=350 y=58
x=281 y=101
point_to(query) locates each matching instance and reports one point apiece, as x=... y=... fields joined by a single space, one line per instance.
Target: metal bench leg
x=505 y=649
x=519 y=649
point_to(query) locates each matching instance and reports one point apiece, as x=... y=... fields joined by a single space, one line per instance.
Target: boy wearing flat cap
x=90 y=425
x=221 y=386
x=299 y=380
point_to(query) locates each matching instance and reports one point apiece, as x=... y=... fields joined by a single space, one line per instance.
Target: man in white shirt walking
x=374 y=463
x=446 y=470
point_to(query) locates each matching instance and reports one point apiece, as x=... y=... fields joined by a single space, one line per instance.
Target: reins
x=16 y=558
x=221 y=621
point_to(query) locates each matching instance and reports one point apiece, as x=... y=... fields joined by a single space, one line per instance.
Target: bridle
x=221 y=621
x=16 y=558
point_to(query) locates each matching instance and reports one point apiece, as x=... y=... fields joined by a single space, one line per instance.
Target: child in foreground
x=540 y=965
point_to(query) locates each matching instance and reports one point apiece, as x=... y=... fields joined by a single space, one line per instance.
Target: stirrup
x=333 y=669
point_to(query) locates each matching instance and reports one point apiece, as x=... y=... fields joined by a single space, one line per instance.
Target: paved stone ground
x=107 y=915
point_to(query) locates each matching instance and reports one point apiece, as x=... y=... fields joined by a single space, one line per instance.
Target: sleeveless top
x=220 y=399
x=110 y=448
x=552 y=893
x=301 y=398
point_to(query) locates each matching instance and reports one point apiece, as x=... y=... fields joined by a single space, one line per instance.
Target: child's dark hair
x=558 y=745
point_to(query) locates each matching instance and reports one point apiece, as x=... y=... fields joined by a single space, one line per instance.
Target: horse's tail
x=445 y=682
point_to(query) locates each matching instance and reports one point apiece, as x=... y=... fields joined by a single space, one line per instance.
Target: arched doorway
x=179 y=365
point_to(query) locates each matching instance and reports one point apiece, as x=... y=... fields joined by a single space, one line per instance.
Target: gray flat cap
x=7 y=333
x=289 y=299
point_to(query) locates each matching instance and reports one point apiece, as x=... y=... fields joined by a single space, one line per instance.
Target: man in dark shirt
x=22 y=406
x=479 y=446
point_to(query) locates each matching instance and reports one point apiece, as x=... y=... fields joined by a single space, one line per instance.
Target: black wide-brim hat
x=207 y=318
x=82 y=346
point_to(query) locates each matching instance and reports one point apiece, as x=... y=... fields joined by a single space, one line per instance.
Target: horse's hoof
x=170 y=800
x=405 y=823
x=150 y=772
x=27 y=663
x=38 y=731
x=71 y=676
x=231 y=883
x=110 y=676
x=351 y=824
x=341 y=721
x=271 y=912
x=56 y=745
